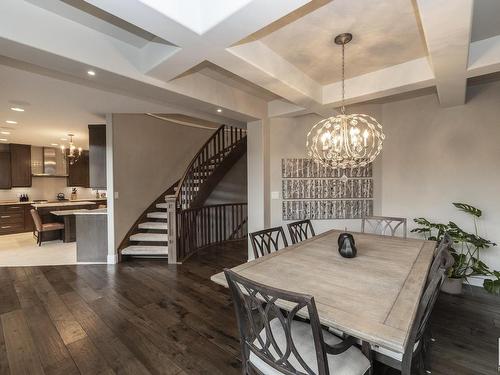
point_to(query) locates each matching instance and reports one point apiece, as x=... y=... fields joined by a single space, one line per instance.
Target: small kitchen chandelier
x=346 y=140
x=71 y=153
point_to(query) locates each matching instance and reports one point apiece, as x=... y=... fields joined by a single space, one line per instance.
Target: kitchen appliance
x=61 y=197
x=48 y=162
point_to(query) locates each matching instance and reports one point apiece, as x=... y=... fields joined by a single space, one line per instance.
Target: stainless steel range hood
x=48 y=162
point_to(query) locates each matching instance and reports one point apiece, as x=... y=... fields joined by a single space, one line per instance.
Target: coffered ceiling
x=385 y=33
x=257 y=58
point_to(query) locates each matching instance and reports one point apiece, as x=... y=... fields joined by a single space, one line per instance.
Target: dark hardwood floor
x=142 y=317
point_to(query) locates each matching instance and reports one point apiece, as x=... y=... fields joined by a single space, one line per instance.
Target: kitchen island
x=91 y=235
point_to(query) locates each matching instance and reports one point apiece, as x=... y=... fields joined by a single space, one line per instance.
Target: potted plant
x=466 y=251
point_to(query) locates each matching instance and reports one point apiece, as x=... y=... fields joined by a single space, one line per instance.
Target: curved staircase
x=149 y=236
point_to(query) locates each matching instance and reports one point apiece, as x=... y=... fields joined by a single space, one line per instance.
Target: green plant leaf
x=471 y=210
x=492 y=286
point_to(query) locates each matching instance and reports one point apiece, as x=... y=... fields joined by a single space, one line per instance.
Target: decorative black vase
x=347 y=246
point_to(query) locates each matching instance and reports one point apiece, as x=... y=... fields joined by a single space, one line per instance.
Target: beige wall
x=149 y=155
x=45 y=188
x=432 y=156
x=233 y=186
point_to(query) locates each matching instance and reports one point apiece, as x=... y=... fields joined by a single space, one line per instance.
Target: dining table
x=373 y=296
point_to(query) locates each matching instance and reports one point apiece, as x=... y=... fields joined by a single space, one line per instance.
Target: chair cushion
x=351 y=362
x=52 y=226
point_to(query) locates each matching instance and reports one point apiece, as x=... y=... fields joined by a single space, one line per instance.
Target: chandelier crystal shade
x=345 y=140
x=71 y=153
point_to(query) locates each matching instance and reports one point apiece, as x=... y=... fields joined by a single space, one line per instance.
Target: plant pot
x=452 y=286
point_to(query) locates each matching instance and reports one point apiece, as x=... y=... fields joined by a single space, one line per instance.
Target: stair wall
x=148 y=155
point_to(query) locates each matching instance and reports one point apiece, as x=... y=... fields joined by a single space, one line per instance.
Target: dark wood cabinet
x=29 y=225
x=78 y=173
x=5 y=170
x=20 y=161
x=97 y=156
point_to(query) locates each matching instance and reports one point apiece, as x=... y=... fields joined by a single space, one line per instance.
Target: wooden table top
x=373 y=296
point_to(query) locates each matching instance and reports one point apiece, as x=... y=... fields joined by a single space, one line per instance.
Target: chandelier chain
x=343 y=79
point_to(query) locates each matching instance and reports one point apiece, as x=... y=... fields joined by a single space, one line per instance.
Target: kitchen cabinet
x=97 y=156
x=11 y=219
x=78 y=173
x=20 y=161
x=29 y=225
x=5 y=170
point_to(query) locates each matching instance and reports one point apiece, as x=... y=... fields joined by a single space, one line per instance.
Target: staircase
x=149 y=237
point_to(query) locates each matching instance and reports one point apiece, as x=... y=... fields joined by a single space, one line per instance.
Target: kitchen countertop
x=82 y=211
x=63 y=204
x=5 y=203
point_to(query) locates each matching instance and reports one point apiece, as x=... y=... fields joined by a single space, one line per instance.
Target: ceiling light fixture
x=54 y=144
x=71 y=152
x=3 y=139
x=345 y=141
x=4 y=132
x=219 y=110
x=11 y=122
x=17 y=109
x=91 y=73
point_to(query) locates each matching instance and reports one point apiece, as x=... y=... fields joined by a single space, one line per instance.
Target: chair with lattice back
x=300 y=230
x=416 y=357
x=269 y=240
x=273 y=342
x=383 y=225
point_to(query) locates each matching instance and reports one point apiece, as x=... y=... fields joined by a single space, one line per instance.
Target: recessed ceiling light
x=5 y=132
x=3 y=139
x=54 y=144
x=219 y=110
x=11 y=122
x=64 y=139
x=17 y=109
x=91 y=73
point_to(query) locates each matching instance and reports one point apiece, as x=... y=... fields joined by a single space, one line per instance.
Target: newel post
x=172 y=229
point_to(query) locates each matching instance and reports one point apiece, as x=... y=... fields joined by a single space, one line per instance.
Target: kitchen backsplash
x=46 y=188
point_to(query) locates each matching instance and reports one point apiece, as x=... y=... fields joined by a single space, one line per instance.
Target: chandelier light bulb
x=346 y=140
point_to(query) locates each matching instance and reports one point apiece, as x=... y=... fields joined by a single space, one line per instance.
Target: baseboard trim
x=112 y=259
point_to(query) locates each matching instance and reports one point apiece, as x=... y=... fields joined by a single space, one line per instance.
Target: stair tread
x=153 y=225
x=158 y=215
x=160 y=237
x=162 y=205
x=145 y=250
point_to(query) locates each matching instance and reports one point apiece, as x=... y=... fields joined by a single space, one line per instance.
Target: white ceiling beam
x=397 y=79
x=447 y=28
x=259 y=64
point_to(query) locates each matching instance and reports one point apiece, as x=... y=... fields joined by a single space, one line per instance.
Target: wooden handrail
x=206 y=160
x=188 y=169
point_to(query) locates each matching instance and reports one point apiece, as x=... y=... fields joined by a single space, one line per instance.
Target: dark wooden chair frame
x=384 y=223
x=255 y=306
x=418 y=358
x=266 y=241
x=299 y=230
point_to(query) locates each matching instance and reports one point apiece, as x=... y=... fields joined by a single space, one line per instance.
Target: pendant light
x=346 y=140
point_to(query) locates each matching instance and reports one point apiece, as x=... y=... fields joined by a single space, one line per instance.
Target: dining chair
x=266 y=241
x=383 y=225
x=273 y=342
x=417 y=353
x=443 y=258
x=41 y=228
x=300 y=230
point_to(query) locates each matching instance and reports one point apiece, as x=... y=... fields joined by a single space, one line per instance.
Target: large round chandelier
x=346 y=140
